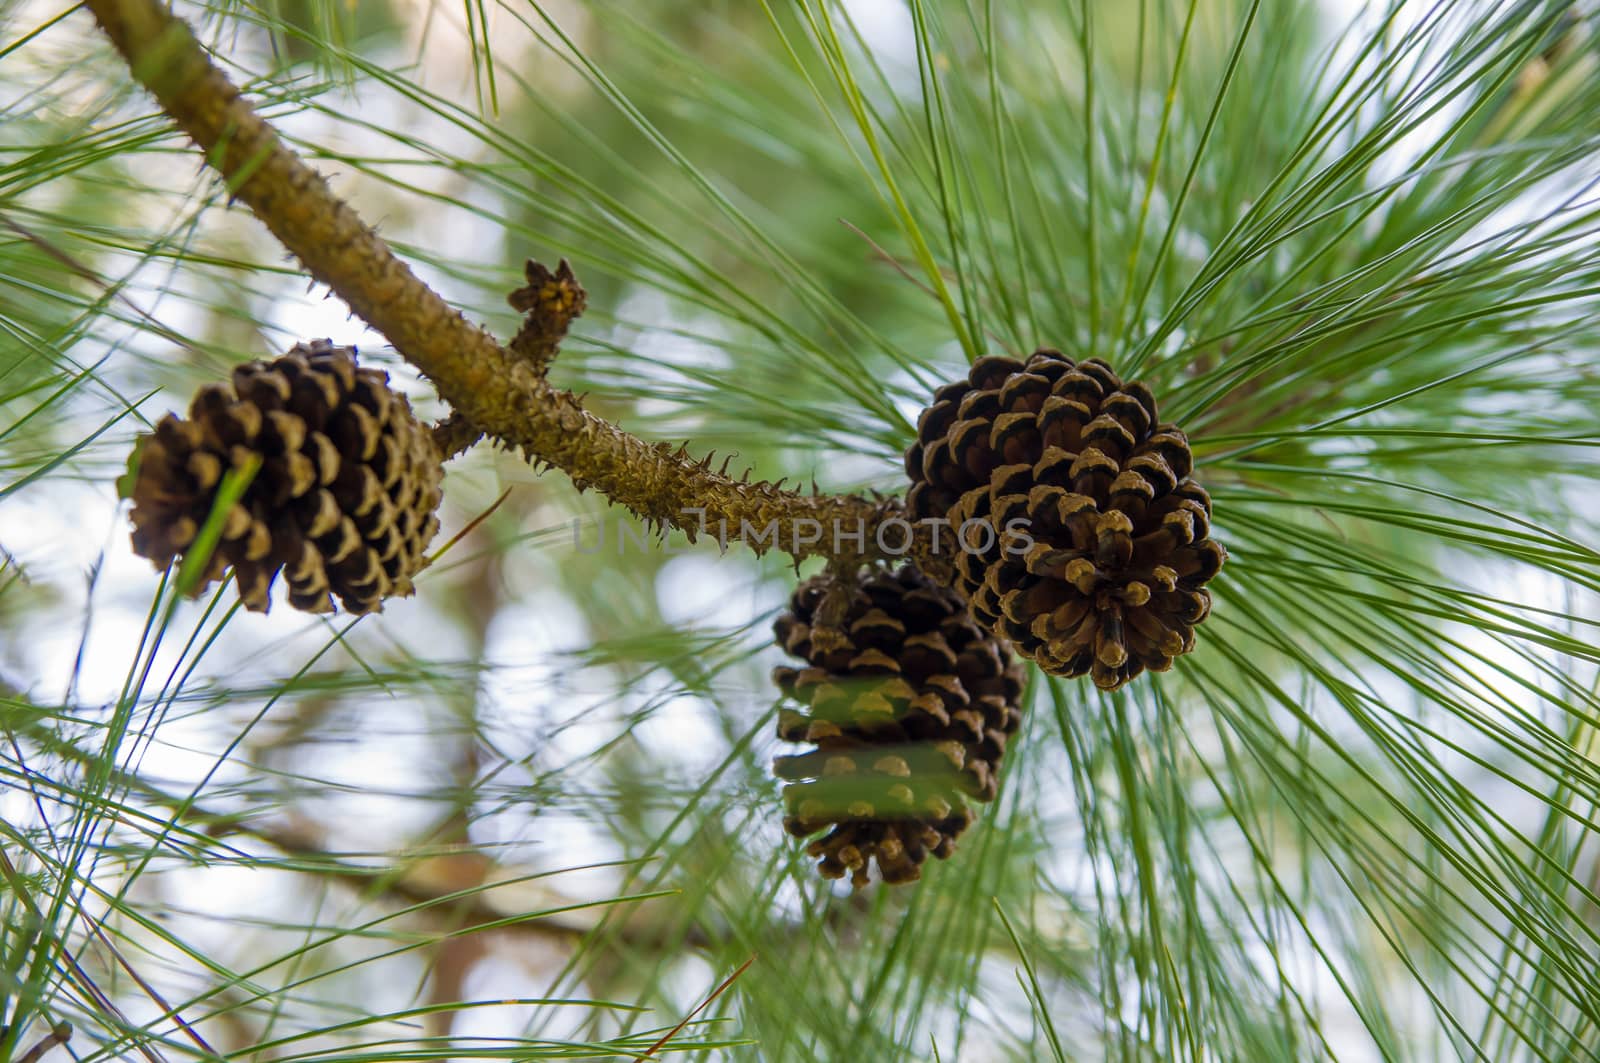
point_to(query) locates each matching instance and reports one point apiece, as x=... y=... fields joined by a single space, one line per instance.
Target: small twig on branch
x=499 y=390
x=552 y=301
x=59 y=1035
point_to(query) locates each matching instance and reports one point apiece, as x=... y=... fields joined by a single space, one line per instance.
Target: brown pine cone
x=1087 y=544
x=345 y=499
x=910 y=705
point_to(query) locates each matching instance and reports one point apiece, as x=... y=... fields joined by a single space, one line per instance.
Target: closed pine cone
x=910 y=705
x=1088 y=543
x=344 y=501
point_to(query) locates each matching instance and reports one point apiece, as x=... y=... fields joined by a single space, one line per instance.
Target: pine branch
x=470 y=889
x=494 y=390
x=59 y=1034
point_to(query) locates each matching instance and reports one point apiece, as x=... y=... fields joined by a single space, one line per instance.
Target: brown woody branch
x=460 y=883
x=493 y=389
x=59 y=1034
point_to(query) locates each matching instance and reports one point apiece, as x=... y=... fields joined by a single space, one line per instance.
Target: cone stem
x=490 y=387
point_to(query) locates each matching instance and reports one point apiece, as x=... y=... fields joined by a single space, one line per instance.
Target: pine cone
x=910 y=705
x=1089 y=547
x=344 y=501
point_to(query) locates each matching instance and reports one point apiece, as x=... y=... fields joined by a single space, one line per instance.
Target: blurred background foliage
x=529 y=813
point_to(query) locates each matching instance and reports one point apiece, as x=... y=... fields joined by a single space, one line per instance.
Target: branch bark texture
x=492 y=388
